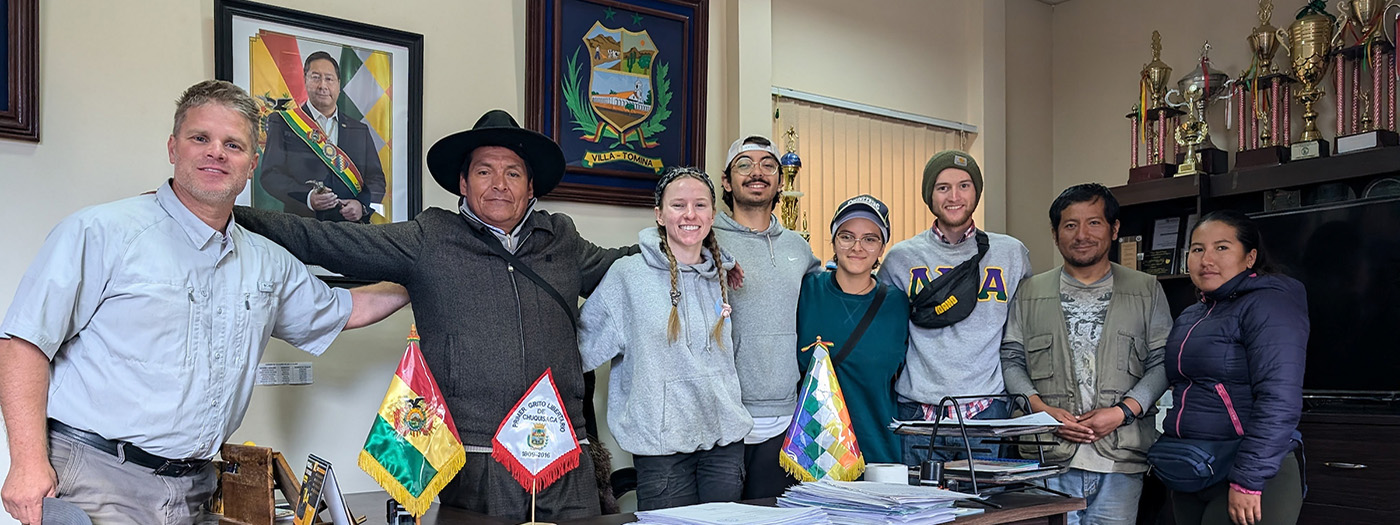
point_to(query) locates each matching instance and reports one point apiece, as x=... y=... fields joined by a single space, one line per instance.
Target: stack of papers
x=999 y=470
x=1036 y=423
x=733 y=514
x=870 y=503
x=993 y=465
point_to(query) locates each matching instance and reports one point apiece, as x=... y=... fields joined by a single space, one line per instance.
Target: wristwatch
x=1128 y=416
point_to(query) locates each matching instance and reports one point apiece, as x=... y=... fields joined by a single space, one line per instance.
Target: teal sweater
x=867 y=374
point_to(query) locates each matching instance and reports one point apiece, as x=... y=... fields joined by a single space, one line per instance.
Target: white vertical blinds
x=846 y=153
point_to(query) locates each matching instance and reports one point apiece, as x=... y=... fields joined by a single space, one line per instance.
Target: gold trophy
x=789 y=165
x=1199 y=89
x=1157 y=73
x=1261 y=98
x=1309 y=39
x=1368 y=55
x=1151 y=118
x=1265 y=39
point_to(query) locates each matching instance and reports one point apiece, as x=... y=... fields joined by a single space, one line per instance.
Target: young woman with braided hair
x=673 y=393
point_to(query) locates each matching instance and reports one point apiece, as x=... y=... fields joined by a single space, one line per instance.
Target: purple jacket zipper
x=1182 y=350
x=1229 y=407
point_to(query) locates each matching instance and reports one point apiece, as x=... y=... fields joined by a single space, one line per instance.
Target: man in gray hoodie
x=774 y=260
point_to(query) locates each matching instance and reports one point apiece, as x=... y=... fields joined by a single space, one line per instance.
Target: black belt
x=131 y=453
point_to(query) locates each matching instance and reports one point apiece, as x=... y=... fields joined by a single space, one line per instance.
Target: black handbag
x=1192 y=465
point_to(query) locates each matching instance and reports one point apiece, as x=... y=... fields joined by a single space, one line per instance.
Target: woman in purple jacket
x=1235 y=362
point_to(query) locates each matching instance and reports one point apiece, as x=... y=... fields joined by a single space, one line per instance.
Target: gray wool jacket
x=765 y=310
x=487 y=331
x=664 y=397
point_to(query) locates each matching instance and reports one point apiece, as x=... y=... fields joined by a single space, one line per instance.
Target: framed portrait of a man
x=342 y=105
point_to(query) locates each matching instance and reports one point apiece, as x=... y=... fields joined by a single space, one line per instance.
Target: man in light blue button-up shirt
x=151 y=314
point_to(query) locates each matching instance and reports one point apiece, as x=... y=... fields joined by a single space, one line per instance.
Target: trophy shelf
x=1361 y=164
x=1158 y=190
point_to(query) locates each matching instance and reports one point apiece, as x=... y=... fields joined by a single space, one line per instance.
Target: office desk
x=1019 y=508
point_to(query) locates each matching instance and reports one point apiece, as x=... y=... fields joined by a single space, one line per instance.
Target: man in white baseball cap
x=774 y=260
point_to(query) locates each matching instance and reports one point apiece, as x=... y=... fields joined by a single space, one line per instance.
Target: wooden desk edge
x=1045 y=505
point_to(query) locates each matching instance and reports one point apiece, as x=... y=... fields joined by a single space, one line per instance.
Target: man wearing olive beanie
x=962 y=359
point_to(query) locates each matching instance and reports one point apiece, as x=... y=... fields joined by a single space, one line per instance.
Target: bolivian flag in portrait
x=366 y=76
x=413 y=449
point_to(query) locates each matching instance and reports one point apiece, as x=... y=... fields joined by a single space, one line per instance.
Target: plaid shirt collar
x=971 y=231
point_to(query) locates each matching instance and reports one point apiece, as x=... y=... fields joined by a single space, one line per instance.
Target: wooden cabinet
x=1353 y=468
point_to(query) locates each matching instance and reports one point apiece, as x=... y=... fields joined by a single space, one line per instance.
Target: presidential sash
x=305 y=127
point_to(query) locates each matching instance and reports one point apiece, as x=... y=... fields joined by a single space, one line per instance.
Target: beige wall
x=886 y=54
x=1101 y=45
x=105 y=121
x=879 y=52
x=1029 y=131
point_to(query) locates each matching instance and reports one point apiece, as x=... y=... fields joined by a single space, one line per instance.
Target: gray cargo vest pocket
x=1132 y=354
x=1040 y=361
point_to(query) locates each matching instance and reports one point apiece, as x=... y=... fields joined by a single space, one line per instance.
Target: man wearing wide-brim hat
x=488 y=332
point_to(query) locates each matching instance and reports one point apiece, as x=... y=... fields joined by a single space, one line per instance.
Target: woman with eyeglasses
x=831 y=310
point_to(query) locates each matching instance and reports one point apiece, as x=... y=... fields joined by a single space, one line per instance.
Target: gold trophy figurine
x=1262 y=97
x=1151 y=119
x=1157 y=74
x=1200 y=88
x=789 y=165
x=1265 y=40
x=1310 y=38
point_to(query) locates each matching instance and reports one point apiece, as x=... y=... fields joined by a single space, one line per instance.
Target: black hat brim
x=543 y=157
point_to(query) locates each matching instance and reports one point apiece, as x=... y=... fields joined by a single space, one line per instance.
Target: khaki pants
x=112 y=492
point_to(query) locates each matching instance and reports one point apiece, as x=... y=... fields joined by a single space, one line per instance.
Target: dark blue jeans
x=916 y=456
x=686 y=479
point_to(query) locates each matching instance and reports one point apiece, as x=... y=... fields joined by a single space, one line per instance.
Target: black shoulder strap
x=495 y=245
x=927 y=297
x=983 y=244
x=870 y=312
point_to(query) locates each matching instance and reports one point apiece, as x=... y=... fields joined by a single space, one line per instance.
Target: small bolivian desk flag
x=536 y=441
x=820 y=442
x=413 y=449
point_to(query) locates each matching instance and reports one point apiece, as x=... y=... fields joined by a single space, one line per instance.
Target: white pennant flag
x=536 y=441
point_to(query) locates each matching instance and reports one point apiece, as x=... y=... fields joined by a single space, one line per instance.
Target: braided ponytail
x=673 y=326
x=713 y=245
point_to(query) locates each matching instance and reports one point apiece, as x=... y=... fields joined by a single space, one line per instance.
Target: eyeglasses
x=745 y=167
x=317 y=78
x=846 y=241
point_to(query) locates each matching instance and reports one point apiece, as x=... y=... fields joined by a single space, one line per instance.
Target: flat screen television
x=1348 y=257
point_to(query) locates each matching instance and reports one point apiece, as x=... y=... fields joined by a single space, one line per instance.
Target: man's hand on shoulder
x=25 y=489
x=736 y=277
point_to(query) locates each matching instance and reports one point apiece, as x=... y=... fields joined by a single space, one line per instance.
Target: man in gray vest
x=1085 y=342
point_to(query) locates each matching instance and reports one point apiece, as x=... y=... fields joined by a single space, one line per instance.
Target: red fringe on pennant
x=546 y=477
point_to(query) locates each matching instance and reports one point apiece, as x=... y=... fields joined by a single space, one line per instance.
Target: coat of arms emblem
x=538 y=437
